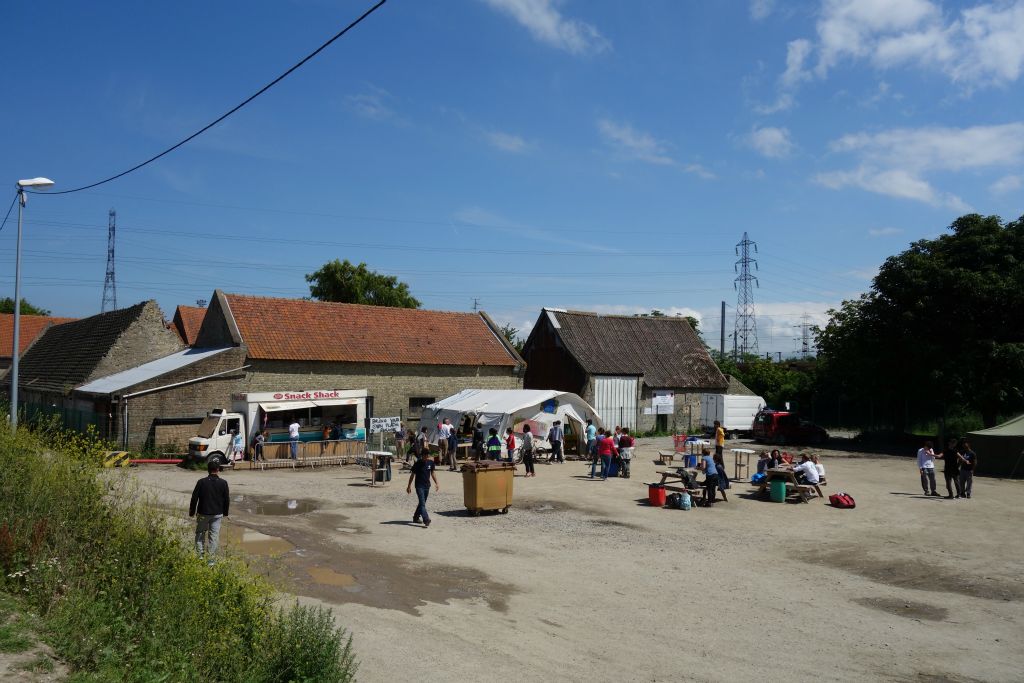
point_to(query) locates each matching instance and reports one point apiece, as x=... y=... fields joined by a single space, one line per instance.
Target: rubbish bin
x=777 y=488
x=487 y=485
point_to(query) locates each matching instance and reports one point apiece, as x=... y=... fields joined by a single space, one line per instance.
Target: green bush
x=120 y=592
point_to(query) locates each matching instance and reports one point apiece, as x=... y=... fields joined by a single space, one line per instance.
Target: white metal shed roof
x=112 y=384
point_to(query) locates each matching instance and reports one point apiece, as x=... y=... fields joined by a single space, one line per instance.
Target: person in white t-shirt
x=293 y=439
x=444 y=430
x=926 y=465
x=818 y=466
x=806 y=472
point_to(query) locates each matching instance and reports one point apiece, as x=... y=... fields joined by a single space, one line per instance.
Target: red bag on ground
x=842 y=500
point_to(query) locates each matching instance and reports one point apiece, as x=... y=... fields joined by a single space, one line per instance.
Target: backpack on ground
x=842 y=500
x=758 y=478
x=685 y=502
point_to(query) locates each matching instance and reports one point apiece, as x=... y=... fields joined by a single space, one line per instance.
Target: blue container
x=613 y=469
x=691 y=461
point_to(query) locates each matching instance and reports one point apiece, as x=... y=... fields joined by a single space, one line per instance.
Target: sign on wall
x=664 y=402
x=385 y=424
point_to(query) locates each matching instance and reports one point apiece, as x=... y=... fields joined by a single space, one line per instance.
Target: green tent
x=1000 y=449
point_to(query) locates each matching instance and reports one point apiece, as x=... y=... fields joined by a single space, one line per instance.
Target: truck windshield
x=207 y=428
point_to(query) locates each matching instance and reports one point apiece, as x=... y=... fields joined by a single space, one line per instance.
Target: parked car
x=782 y=427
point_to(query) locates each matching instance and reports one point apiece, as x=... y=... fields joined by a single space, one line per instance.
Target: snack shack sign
x=307 y=395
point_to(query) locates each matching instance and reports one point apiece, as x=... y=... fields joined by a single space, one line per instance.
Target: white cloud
x=894 y=162
x=1007 y=184
x=884 y=232
x=893 y=182
x=939 y=148
x=797 y=52
x=761 y=9
x=634 y=144
x=978 y=47
x=507 y=142
x=371 y=105
x=771 y=142
x=783 y=102
x=547 y=24
x=631 y=143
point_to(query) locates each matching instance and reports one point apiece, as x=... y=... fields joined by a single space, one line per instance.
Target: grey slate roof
x=65 y=355
x=666 y=351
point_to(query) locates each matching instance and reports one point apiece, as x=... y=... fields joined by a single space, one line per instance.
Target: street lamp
x=36 y=184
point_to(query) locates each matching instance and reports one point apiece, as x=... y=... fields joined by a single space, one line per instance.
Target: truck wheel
x=504 y=511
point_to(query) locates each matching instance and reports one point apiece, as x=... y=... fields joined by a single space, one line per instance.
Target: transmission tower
x=109 y=282
x=745 y=334
x=805 y=335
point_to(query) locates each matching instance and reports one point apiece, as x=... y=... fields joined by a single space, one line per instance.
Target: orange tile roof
x=31 y=327
x=187 y=321
x=297 y=329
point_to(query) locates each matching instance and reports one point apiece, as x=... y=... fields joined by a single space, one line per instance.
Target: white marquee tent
x=502 y=408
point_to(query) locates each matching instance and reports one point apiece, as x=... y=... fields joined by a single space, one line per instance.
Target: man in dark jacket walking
x=209 y=506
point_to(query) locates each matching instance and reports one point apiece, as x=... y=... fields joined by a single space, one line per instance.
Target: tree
x=346 y=283
x=511 y=334
x=941 y=328
x=7 y=306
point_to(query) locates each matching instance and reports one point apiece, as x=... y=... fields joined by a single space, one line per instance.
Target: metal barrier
x=310 y=454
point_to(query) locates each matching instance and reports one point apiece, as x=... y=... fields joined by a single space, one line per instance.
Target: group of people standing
x=958 y=464
x=607 y=448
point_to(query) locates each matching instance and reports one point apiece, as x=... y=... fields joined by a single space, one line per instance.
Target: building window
x=416 y=403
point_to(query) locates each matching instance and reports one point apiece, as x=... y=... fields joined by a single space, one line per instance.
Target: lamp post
x=38 y=184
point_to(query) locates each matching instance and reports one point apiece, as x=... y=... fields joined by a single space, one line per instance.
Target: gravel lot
x=583 y=580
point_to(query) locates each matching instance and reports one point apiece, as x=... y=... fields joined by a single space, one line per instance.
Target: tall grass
x=120 y=594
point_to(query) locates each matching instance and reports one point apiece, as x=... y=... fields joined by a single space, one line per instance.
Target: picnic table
x=793 y=487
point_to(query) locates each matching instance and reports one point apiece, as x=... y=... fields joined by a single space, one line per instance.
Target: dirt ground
x=583 y=580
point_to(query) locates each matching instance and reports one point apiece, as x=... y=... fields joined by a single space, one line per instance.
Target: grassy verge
x=121 y=596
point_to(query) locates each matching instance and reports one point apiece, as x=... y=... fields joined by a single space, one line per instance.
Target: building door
x=615 y=400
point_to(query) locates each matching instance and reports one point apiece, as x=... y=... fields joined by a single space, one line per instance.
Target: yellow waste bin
x=487 y=485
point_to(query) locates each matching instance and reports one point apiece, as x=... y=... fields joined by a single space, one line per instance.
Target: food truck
x=271 y=412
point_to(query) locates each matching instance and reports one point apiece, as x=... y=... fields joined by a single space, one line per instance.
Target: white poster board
x=664 y=402
x=385 y=424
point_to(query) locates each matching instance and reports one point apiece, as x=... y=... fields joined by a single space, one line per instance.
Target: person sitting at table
x=763 y=462
x=806 y=472
x=707 y=465
x=775 y=459
x=818 y=466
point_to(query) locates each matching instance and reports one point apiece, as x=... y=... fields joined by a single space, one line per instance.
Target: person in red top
x=605 y=450
x=510 y=444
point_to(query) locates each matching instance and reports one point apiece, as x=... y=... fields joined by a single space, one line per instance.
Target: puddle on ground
x=274 y=507
x=329 y=577
x=336 y=573
x=916 y=574
x=905 y=608
x=258 y=543
x=358 y=505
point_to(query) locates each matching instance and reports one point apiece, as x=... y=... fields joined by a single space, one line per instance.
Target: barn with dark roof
x=641 y=372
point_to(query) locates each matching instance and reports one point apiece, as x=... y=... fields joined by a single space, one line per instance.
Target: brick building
x=132 y=375
x=32 y=327
x=186 y=322
x=639 y=372
x=71 y=354
x=400 y=359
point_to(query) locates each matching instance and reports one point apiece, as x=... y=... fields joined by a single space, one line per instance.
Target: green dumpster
x=778 y=490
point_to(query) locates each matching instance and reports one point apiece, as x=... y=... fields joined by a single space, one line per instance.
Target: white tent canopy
x=502 y=408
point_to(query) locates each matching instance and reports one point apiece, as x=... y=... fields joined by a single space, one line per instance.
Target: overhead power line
x=213 y=123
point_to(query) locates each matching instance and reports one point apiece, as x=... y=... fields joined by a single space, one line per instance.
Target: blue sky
x=594 y=155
